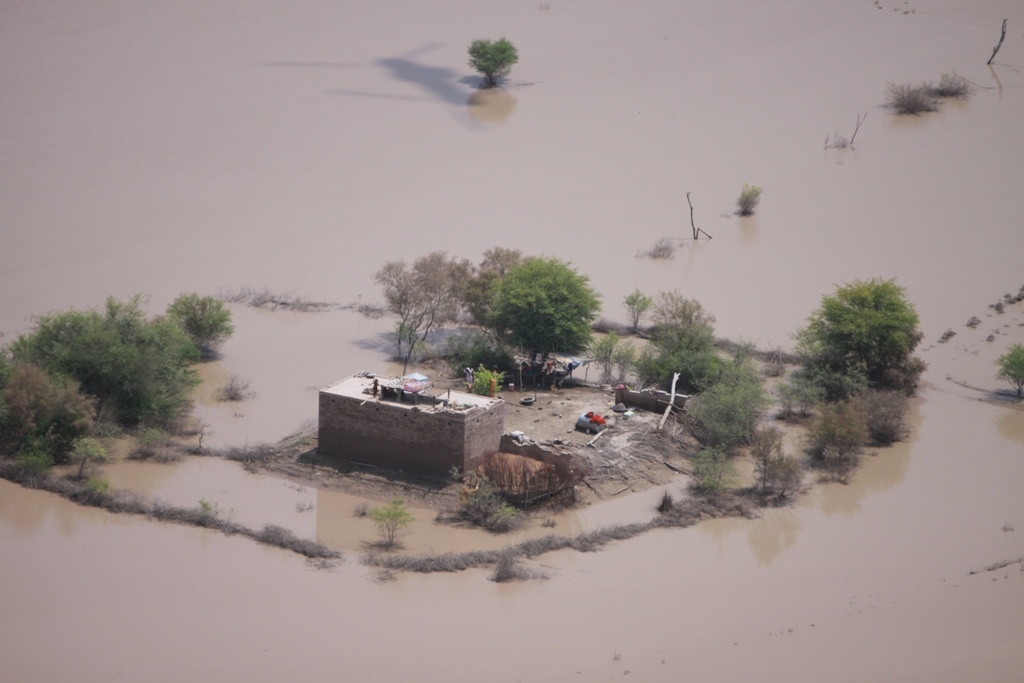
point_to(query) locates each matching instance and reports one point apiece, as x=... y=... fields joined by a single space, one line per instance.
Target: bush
x=203 y=319
x=474 y=351
x=682 y=340
x=42 y=413
x=749 y=197
x=493 y=59
x=799 y=394
x=390 y=520
x=910 y=99
x=664 y=248
x=712 y=471
x=777 y=473
x=726 y=414
x=237 y=389
x=951 y=85
x=637 y=304
x=884 y=414
x=87 y=450
x=838 y=431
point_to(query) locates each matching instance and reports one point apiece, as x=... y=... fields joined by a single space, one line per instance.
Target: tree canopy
x=1011 y=367
x=204 y=319
x=139 y=370
x=427 y=294
x=865 y=333
x=543 y=304
x=682 y=340
x=492 y=58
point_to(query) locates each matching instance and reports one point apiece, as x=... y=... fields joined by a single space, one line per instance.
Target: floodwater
x=207 y=146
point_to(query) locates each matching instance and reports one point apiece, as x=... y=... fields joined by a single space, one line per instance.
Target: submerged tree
x=390 y=520
x=424 y=296
x=204 y=319
x=493 y=59
x=543 y=304
x=1011 y=367
x=863 y=335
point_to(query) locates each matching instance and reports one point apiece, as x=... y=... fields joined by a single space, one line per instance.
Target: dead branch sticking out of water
x=1002 y=37
x=693 y=226
x=128 y=502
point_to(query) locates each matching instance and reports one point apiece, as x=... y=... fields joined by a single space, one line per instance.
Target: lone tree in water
x=493 y=59
x=864 y=335
x=1011 y=367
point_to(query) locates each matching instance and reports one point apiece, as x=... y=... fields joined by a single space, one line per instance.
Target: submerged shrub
x=951 y=85
x=750 y=195
x=910 y=99
x=884 y=414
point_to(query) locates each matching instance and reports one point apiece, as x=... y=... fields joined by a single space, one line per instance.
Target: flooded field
x=208 y=146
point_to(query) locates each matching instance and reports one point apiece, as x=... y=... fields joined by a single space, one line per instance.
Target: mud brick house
x=407 y=427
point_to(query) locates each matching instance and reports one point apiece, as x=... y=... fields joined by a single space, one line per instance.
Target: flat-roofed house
x=403 y=425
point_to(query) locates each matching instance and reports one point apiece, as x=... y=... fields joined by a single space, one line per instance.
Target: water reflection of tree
x=776 y=531
x=1010 y=424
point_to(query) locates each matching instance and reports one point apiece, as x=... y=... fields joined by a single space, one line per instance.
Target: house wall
x=417 y=440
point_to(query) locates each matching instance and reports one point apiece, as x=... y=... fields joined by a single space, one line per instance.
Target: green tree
x=866 y=331
x=682 y=340
x=543 y=304
x=138 y=370
x=604 y=352
x=86 y=450
x=390 y=520
x=424 y=296
x=493 y=59
x=1011 y=367
x=204 y=319
x=637 y=304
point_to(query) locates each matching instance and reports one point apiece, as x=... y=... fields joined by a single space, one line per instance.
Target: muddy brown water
x=197 y=147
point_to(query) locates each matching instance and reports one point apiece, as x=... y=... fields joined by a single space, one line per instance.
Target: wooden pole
x=1002 y=37
x=671 y=400
x=693 y=226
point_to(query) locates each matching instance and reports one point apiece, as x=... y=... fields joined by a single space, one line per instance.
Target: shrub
x=485 y=381
x=910 y=99
x=637 y=304
x=664 y=248
x=604 y=352
x=777 y=473
x=750 y=195
x=237 y=389
x=204 y=319
x=390 y=520
x=799 y=394
x=682 y=340
x=475 y=350
x=666 y=502
x=44 y=413
x=712 y=471
x=726 y=414
x=150 y=442
x=951 y=85
x=85 y=450
x=884 y=414
x=838 y=429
